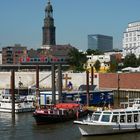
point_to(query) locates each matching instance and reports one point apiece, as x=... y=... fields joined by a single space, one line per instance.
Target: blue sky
x=21 y=21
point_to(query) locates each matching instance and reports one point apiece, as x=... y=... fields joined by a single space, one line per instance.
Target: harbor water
x=25 y=128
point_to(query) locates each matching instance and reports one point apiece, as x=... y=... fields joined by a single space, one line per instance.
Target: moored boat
x=21 y=105
x=59 y=113
x=111 y=121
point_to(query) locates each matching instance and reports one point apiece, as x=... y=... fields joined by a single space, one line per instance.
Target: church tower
x=48 y=28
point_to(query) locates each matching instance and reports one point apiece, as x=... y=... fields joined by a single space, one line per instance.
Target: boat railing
x=57 y=111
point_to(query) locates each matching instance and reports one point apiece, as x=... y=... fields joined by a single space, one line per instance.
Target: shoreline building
x=131 y=39
x=49 y=52
x=100 y=42
x=12 y=54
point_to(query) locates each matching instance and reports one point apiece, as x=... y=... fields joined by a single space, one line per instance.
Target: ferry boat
x=60 y=112
x=25 y=104
x=111 y=121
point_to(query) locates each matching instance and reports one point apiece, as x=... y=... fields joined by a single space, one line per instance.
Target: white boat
x=21 y=105
x=111 y=121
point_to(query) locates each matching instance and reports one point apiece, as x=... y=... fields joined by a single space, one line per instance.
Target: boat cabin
x=116 y=116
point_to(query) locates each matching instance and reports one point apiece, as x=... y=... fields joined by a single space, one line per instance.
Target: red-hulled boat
x=59 y=113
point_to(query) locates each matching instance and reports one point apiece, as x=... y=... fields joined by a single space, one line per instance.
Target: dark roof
x=84 y=87
x=60 y=50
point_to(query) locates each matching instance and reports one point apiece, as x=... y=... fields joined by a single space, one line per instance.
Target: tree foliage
x=97 y=65
x=138 y=61
x=95 y=52
x=77 y=60
x=130 y=61
x=113 y=65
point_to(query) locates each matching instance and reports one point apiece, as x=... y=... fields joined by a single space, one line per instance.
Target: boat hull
x=54 y=118
x=95 y=129
x=47 y=119
x=21 y=110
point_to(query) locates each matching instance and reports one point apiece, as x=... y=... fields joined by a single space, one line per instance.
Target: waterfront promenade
x=28 y=79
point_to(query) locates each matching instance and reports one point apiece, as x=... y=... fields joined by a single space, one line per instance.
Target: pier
x=37 y=68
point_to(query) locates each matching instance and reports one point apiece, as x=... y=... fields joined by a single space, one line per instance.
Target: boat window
x=95 y=117
x=122 y=112
x=107 y=112
x=105 y=118
x=60 y=112
x=129 y=118
x=135 y=117
x=128 y=112
x=98 y=112
x=115 y=112
x=6 y=97
x=115 y=118
x=122 y=118
x=135 y=111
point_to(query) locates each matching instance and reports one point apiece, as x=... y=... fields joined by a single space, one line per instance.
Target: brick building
x=124 y=85
x=125 y=81
x=12 y=54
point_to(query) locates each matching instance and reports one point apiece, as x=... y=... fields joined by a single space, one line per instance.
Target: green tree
x=130 y=61
x=94 y=52
x=90 y=52
x=97 y=65
x=138 y=61
x=77 y=60
x=113 y=66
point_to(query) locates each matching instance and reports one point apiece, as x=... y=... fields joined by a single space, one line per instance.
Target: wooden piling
x=53 y=84
x=13 y=92
x=87 y=84
x=60 y=82
x=118 y=88
x=37 y=86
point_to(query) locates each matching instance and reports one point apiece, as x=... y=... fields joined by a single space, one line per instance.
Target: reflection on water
x=25 y=128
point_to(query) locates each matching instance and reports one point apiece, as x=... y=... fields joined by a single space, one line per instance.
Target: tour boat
x=59 y=113
x=111 y=121
x=25 y=104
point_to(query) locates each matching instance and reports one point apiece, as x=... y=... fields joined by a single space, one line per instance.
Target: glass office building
x=100 y=42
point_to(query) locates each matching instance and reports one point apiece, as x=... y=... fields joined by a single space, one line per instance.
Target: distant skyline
x=21 y=21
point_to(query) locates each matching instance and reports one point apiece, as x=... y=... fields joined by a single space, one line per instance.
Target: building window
x=134 y=44
x=134 y=38
x=134 y=33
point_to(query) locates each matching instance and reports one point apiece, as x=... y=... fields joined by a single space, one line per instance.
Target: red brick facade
x=130 y=81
